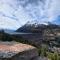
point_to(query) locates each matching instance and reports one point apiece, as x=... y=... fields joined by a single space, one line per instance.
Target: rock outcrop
x=17 y=51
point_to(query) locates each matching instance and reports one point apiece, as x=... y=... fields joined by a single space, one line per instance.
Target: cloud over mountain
x=15 y=13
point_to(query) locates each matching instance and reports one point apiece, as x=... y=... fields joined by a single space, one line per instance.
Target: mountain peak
x=35 y=22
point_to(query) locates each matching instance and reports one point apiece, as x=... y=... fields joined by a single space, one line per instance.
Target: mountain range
x=36 y=27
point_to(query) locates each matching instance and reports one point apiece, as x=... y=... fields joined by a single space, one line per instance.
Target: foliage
x=43 y=51
x=4 y=36
x=53 y=56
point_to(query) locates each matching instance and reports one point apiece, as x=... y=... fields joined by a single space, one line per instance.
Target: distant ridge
x=36 y=27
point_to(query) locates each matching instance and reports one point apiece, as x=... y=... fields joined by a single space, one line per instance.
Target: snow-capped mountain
x=37 y=27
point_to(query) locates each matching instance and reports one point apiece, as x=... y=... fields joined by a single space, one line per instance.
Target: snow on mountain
x=36 y=23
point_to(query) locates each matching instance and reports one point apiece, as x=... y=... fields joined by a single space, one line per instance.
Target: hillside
x=36 y=28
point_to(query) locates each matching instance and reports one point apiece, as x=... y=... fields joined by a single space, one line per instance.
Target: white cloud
x=15 y=13
x=12 y=15
x=44 y=12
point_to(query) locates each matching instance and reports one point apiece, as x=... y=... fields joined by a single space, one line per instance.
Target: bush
x=53 y=56
x=43 y=51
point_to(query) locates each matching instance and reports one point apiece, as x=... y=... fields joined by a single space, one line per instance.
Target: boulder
x=17 y=51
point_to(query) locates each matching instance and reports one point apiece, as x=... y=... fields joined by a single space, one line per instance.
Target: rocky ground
x=17 y=51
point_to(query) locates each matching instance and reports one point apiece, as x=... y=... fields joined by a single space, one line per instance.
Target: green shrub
x=43 y=51
x=53 y=56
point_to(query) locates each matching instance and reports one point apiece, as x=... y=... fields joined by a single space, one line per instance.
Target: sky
x=16 y=13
